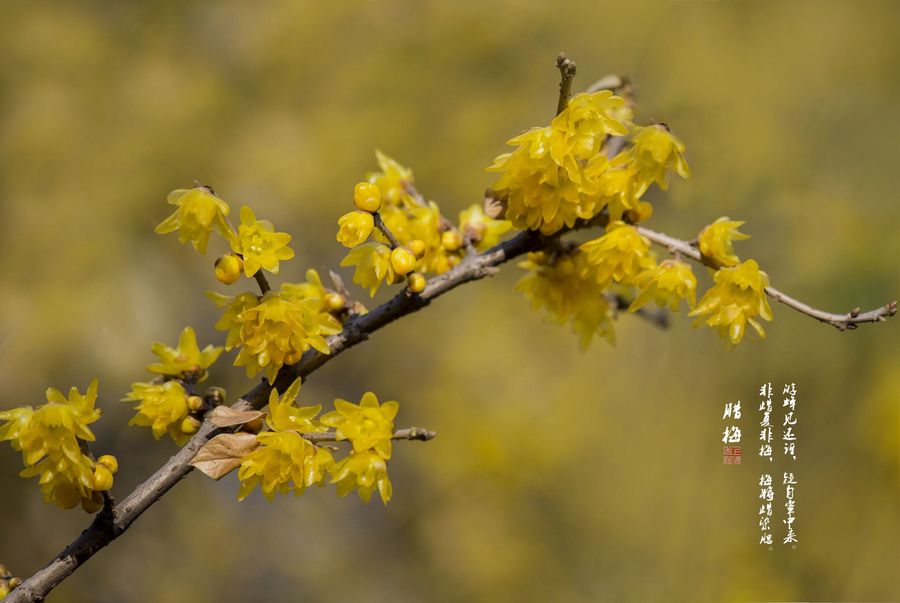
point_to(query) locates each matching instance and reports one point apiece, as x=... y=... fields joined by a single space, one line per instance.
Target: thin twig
x=262 y=281
x=566 y=68
x=841 y=322
x=410 y=433
x=380 y=225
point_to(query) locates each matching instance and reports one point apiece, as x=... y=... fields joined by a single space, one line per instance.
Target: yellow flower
x=364 y=472
x=666 y=284
x=284 y=461
x=735 y=300
x=655 y=151
x=284 y=415
x=355 y=228
x=391 y=179
x=185 y=360
x=276 y=329
x=552 y=178
x=199 y=210
x=373 y=265
x=48 y=438
x=483 y=230
x=367 y=425
x=259 y=244
x=619 y=255
x=716 y=241
x=162 y=407
x=565 y=289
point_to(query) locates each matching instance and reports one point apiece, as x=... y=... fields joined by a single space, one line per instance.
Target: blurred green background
x=557 y=474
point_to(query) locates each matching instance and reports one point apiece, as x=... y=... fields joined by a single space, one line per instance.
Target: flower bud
x=418 y=247
x=403 y=260
x=13 y=582
x=103 y=477
x=110 y=462
x=92 y=504
x=293 y=357
x=215 y=395
x=451 y=240
x=367 y=196
x=195 y=403
x=190 y=425
x=416 y=282
x=335 y=302
x=229 y=268
x=354 y=228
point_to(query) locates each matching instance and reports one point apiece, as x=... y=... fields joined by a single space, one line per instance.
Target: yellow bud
x=190 y=425
x=416 y=282
x=229 y=268
x=335 y=302
x=293 y=357
x=215 y=395
x=453 y=260
x=403 y=260
x=354 y=228
x=451 y=240
x=13 y=582
x=367 y=196
x=195 y=403
x=92 y=504
x=103 y=477
x=418 y=247
x=110 y=462
x=254 y=426
x=475 y=231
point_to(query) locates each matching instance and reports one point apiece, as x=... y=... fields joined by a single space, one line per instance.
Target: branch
x=410 y=433
x=842 y=322
x=102 y=531
x=566 y=68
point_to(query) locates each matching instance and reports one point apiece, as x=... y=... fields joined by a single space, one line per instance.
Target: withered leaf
x=225 y=416
x=224 y=453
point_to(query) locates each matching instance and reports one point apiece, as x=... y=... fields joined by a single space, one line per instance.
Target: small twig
x=380 y=225
x=262 y=281
x=410 y=433
x=841 y=322
x=566 y=68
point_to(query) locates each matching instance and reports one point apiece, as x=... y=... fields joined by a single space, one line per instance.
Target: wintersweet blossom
x=716 y=241
x=259 y=245
x=199 y=211
x=666 y=284
x=736 y=299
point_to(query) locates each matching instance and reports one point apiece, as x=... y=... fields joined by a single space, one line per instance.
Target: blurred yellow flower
x=619 y=255
x=364 y=472
x=162 y=407
x=735 y=300
x=716 y=241
x=481 y=229
x=199 y=211
x=367 y=425
x=391 y=179
x=373 y=265
x=259 y=245
x=186 y=359
x=666 y=284
x=354 y=228
x=565 y=288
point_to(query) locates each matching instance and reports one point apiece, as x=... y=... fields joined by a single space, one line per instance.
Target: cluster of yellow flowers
x=285 y=460
x=276 y=328
x=736 y=299
x=164 y=404
x=559 y=173
x=409 y=237
x=52 y=440
x=7 y=581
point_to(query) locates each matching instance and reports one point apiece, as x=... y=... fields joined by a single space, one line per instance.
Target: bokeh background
x=557 y=474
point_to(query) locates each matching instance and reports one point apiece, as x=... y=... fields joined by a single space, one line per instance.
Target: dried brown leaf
x=223 y=454
x=225 y=416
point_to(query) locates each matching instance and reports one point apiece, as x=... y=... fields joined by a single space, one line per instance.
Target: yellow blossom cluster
x=619 y=255
x=421 y=240
x=276 y=328
x=736 y=299
x=163 y=404
x=565 y=287
x=285 y=461
x=52 y=439
x=667 y=284
x=560 y=173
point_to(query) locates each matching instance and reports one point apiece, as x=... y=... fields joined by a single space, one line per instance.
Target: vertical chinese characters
x=731 y=455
